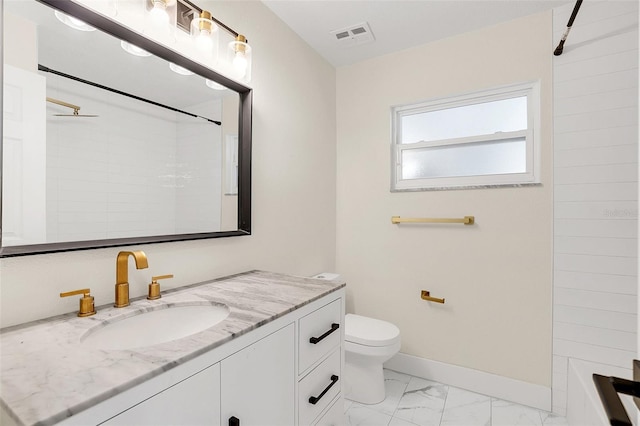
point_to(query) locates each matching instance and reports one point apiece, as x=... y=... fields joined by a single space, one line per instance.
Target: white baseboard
x=517 y=391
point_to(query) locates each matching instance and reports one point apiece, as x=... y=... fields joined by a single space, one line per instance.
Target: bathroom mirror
x=103 y=148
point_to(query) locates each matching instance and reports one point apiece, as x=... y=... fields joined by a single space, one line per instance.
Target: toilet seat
x=370 y=331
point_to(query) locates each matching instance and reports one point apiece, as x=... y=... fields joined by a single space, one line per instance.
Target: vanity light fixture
x=133 y=49
x=179 y=70
x=204 y=32
x=239 y=54
x=159 y=14
x=72 y=22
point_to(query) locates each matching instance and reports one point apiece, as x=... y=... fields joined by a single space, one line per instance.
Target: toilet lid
x=369 y=331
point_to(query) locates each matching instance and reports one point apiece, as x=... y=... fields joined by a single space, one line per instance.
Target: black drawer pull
x=315 y=340
x=314 y=399
x=234 y=421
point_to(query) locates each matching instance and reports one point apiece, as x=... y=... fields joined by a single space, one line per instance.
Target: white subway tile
x=596 y=264
x=595 y=103
x=595 y=189
x=592 y=66
x=588 y=43
x=560 y=364
x=559 y=402
x=626 y=79
x=580 y=280
x=604 y=119
x=559 y=381
x=612 y=210
x=624 y=247
x=587 y=352
x=596 y=318
x=619 y=191
x=584 y=139
x=595 y=300
x=596 y=228
x=608 y=173
x=595 y=336
x=617 y=154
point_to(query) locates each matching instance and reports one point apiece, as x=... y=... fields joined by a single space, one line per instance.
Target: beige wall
x=496 y=275
x=294 y=179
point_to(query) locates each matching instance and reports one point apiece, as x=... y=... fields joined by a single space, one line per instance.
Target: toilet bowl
x=368 y=344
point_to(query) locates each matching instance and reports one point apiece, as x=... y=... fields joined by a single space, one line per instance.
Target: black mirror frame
x=244 y=139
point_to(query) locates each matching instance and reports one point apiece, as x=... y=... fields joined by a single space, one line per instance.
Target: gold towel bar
x=467 y=220
x=426 y=296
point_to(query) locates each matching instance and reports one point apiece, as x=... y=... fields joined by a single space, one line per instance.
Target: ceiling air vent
x=354 y=35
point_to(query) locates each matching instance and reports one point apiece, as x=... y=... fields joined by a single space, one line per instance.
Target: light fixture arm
x=199 y=10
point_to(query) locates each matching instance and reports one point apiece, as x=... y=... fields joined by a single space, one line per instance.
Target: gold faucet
x=122 y=274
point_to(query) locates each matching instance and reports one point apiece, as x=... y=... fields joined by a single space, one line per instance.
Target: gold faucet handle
x=154 y=287
x=87 y=307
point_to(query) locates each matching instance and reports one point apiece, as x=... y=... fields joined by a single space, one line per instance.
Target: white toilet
x=368 y=344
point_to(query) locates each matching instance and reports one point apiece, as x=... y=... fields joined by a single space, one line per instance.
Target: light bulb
x=72 y=22
x=204 y=32
x=240 y=63
x=133 y=49
x=239 y=57
x=214 y=85
x=179 y=70
x=159 y=15
x=204 y=42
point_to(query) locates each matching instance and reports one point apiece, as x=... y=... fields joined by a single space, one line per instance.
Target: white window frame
x=532 y=137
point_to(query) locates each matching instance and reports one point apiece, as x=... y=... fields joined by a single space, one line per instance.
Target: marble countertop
x=47 y=374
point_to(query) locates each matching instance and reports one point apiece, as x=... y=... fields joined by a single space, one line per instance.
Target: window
x=487 y=138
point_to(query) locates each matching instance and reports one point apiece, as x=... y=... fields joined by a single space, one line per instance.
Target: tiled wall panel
x=603 y=319
x=597 y=138
x=595 y=189
x=622 y=284
x=127 y=184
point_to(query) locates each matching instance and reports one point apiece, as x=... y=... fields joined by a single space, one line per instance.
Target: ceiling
x=395 y=24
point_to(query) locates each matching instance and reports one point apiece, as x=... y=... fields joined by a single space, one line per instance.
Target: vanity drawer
x=319 y=388
x=334 y=415
x=320 y=332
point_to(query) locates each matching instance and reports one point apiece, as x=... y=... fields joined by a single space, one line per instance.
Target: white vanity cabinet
x=194 y=401
x=254 y=386
x=258 y=382
x=273 y=375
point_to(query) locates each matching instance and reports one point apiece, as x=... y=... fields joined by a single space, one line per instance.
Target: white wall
x=495 y=275
x=294 y=184
x=595 y=189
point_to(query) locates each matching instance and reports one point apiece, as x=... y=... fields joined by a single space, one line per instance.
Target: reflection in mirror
x=102 y=147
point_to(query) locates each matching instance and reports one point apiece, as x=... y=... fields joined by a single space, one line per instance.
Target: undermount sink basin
x=153 y=327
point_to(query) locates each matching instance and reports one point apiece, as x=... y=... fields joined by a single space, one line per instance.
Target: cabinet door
x=258 y=382
x=193 y=401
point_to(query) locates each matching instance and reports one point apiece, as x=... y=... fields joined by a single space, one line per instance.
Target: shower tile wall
x=595 y=189
x=148 y=148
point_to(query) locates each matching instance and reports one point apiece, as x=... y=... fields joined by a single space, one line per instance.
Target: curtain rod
x=119 y=92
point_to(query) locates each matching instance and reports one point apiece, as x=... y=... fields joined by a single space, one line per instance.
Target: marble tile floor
x=412 y=401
